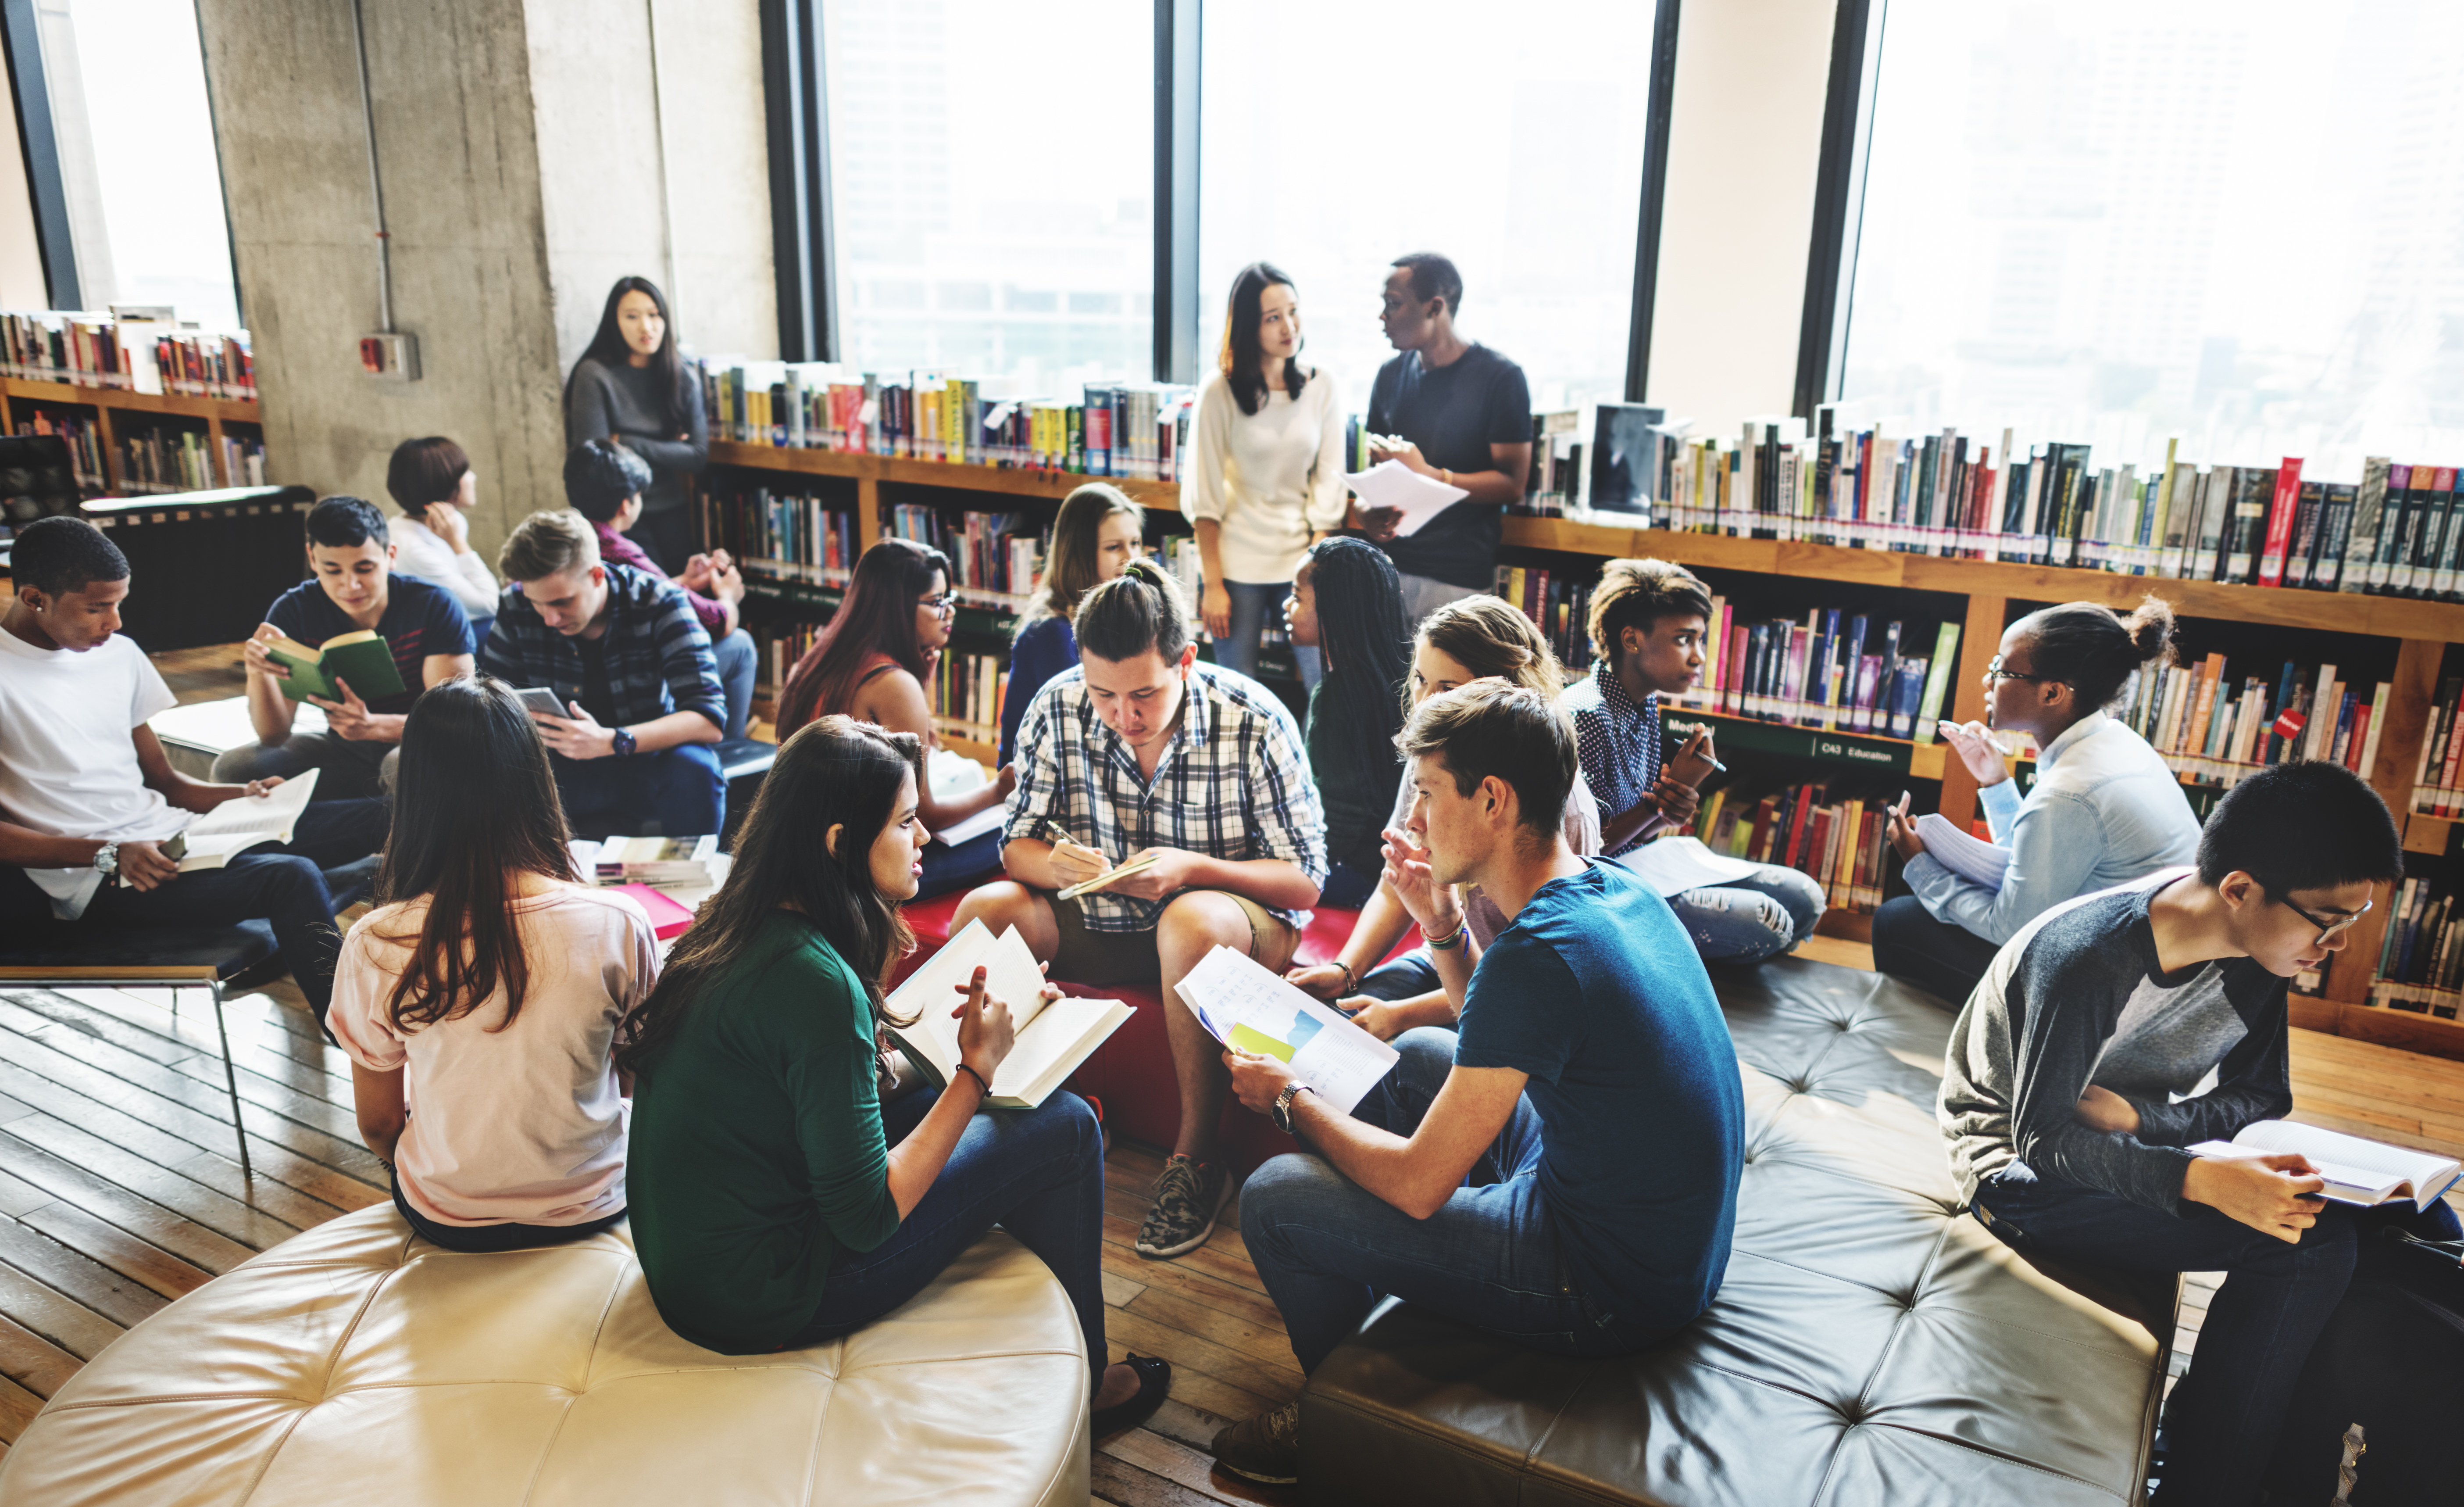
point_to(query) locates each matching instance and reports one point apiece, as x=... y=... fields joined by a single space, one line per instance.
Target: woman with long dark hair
x=486 y=987
x=631 y=386
x=1096 y=534
x=1266 y=475
x=1348 y=604
x=777 y=1202
x=875 y=662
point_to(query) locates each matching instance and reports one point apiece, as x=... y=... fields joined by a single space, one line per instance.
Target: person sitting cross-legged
x=1142 y=755
x=1564 y=1173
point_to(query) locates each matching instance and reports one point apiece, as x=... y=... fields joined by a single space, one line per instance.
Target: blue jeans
x=2221 y=1422
x=1327 y=1249
x=1347 y=888
x=968 y=864
x=1253 y=607
x=283 y=885
x=737 y=660
x=1038 y=1174
x=1408 y=977
x=1765 y=913
x=674 y=792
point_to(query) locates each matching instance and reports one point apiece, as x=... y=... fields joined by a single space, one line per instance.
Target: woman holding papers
x=872 y=663
x=1266 y=476
x=490 y=977
x=2106 y=808
x=1095 y=535
x=1345 y=603
x=777 y=1202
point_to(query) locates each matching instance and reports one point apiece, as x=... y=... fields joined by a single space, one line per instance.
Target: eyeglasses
x=1995 y=671
x=2327 y=928
x=944 y=606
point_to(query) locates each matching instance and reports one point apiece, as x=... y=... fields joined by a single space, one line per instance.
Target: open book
x=1251 y=1008
x=1964 y=853
x=1391 y=484
x=1053 y=1038
x=2357 y=1171
x=363 y=658
x=236 y=826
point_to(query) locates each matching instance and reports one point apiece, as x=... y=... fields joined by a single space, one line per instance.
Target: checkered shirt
x=1617 y=741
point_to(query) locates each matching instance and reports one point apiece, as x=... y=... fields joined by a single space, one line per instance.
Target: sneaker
x=1187 y=1199
x=1267 y=1449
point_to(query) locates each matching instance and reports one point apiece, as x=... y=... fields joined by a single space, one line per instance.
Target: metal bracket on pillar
x=1177 y=26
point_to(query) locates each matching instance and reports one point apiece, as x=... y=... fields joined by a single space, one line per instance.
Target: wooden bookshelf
x=106 y=402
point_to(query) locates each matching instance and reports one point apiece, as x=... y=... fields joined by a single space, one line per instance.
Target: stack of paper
x=953 y=775
x=1673 y=865
x=675 y=862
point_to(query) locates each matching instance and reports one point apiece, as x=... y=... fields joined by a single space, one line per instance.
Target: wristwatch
x=1282 y=1113
x=624 y=742
x=106 y=859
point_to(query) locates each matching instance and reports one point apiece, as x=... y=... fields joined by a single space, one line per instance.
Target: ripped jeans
x=1765 y=914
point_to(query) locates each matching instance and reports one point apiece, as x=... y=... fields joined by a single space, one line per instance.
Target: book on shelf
x=1052 y=1037
x=363 y=658
x=1838 y=839
x=2211 y=728
x=996 y=558
x=1836 y=670
x=2357 y=1170
x=127 y=350
x=966 y=694
x=779 y=531
x=83 y=438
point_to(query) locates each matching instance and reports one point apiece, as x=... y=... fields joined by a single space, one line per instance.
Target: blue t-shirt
x=419 y=620
x=1597 y=992
x=1045 y=648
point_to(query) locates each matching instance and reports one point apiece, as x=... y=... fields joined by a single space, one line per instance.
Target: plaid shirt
x=1233 y=783
x=1619 y=741
x=659 y=659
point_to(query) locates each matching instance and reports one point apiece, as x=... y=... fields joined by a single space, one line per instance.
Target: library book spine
x=2282 y=509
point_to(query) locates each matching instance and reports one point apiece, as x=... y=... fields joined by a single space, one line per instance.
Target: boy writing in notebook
x=2064 y=1096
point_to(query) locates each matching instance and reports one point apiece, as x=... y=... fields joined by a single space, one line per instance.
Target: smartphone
x=536 y=700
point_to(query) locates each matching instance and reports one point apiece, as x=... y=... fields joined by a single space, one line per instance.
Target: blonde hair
x=548 y=543
x=1488 y=636
x=1070 y=573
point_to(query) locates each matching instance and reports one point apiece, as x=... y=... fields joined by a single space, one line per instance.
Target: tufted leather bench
x=357 y=1364
x=1872 y=1342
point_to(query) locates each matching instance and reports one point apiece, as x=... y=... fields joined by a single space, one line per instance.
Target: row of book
x=185 y=460
x=137 y=354
x=2212 y=730
x=967 y=689
x=1559 y=603
x=83 y=438
x=1839 y=842
x=778 y=532
x=2441 y=769
x=2421 y=957
x=1820 y=673
x=998 y=557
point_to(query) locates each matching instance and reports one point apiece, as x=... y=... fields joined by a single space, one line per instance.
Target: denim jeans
x=674 y=792
x=1038 y=1174
x=736 y=661
x=349 y=768
x=283 y=885
x=1408 y=977
x=1765 y=913
x=2221 y=1422
x=1942 y=959
x=1347 y=888
x=1327 y=1249
x=1253 y=607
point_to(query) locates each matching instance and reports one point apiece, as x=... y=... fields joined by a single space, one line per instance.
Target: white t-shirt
x=523 y=1124
x=68 y=758
x=419 y=552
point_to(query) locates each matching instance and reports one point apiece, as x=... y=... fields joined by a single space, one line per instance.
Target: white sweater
x=1267 y=477
x=419 y=552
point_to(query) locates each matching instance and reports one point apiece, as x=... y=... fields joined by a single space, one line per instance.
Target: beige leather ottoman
x=357 y=1364
x=1872 y=1345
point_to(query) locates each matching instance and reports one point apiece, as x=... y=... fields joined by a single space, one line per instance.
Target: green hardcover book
x=1937 y=681
x=361 y=658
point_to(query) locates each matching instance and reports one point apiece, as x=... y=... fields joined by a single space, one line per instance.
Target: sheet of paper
x=1391 y=484
x=1674 y=865
x=236 y=826
x=987 y=820
x=1963 y=853
x=1250 y=1007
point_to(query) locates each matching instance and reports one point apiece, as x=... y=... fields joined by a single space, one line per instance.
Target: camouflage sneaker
x=1187 y=1198
x=1267 y=1449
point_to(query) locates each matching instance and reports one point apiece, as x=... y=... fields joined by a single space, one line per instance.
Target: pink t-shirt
x=522 y=1125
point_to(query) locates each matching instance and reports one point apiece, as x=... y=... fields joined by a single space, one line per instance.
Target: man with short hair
x=88 y=799
x=1456 y=412
x=622 y=650
x=1564 y=1173
x=1648 y=623
x=1142 y=754
x=2071 y=1097
x=603 y=480
x=352 y=587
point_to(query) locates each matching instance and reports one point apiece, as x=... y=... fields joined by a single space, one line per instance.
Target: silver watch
x=1282 y=1114
x=106 y=859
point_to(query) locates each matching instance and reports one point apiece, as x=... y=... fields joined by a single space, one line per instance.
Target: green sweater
x=755 y=1148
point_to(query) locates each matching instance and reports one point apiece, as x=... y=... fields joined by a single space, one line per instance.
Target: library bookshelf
x=115 y=408
x=2422 y=630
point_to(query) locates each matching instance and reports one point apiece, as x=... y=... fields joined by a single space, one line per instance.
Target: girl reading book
x=777 y=1201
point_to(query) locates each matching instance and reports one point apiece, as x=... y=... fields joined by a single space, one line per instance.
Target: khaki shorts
x=1105 y=957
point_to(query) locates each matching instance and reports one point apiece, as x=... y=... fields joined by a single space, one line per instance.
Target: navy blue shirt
x=419 y=620
x=1597 y=992
x=1454 y=413
x=1045 y=648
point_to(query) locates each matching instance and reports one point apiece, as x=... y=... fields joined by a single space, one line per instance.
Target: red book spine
x=2354 y=744
x=2279 y=522
x=1797 y=827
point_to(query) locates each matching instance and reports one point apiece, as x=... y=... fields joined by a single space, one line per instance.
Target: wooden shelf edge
x=228 y=410
x=2425 y=834
x=1049 y=485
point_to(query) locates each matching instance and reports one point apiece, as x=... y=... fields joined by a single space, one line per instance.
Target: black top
x=1454 y=413
x=627 y=400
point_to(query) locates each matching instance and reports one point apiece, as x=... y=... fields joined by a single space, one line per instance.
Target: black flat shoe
x=1154 y=1381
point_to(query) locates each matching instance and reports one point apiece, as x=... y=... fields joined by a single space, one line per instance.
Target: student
x=622 y=650
x=777 y=1201
x=2072 y=1095
x=2106 y=810
x=1478 y=637
x=1142 y=753
x=489 y=976
x=1565 y=1173
x=873 y=663
x=431 y=481
x=603 y=481
x=1266 y=472
x=352 y=587
x=1452 y=411
x=631 y=385
x=1345 y=605
x=88 y=798
x=1647 y=624
x=1094 y=538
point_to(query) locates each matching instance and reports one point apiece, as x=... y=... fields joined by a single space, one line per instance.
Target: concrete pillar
x=521 y=159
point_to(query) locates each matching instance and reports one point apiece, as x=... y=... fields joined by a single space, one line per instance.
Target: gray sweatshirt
x=626 y=400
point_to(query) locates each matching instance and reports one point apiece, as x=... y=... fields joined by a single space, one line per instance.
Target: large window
x=991 y=171
x=2111 y=221
x=1335 y=138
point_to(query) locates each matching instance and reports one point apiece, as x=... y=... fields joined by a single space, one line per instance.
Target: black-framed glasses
x=2327 y=927
x=1993 y=671
x=943 y=605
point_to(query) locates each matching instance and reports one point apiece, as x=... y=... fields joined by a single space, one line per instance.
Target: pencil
x=1106 y=878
